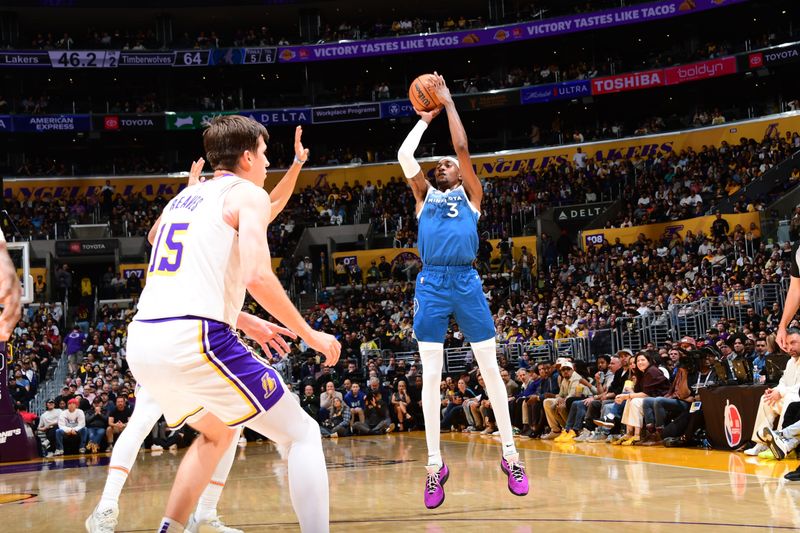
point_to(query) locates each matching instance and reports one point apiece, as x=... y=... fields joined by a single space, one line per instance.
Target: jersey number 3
x=453 y=213
x=166 y=261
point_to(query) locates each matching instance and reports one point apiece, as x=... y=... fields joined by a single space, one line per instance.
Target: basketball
x=421 y=93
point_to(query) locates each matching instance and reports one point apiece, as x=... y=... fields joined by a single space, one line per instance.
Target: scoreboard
x=84 y=59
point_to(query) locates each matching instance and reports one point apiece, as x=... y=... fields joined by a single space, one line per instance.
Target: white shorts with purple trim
x=193 y=366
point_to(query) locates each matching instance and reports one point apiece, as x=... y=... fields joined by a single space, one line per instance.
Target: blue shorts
x=454 y=290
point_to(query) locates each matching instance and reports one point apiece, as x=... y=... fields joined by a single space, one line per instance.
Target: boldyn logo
x=700 y=71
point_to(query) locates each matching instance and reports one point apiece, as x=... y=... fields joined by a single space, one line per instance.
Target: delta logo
x=756 y=60
x=303 y=53
x=287 y=55
x=733 y=425
x=111 y=123
x=516 y=33
x=501 y=35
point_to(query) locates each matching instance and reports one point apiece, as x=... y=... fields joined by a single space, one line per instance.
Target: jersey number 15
x=167 y=260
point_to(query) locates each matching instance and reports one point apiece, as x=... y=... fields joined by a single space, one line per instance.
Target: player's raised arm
x=470 y=180
x=405 y=155
x=248 y=208
x=282 y=192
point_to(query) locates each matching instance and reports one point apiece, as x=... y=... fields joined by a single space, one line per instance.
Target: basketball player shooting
x=210 y=247
x=104 y=517
x=447 y=216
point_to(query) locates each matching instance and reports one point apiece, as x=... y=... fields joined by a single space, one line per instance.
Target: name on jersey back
x=186 y=202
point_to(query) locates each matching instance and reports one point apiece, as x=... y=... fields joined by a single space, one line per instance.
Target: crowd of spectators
x=621 y=398
x=691 y=183
x=98 y=395
x=256 y=36
x=577 y=294
x=143 y=100
x=665 y=186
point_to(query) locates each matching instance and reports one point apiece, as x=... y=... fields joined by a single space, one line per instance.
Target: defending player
x=147 y=412
x=448 y=242
x=210 y=247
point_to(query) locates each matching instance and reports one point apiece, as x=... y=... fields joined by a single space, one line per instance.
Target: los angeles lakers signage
x=498 y=165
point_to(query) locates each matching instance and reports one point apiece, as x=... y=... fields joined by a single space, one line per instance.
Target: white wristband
x=405 y=155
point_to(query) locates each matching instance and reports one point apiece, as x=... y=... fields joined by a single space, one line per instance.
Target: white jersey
x=194 y=267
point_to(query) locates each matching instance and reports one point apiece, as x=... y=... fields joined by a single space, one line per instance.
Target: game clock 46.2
x=84 y=59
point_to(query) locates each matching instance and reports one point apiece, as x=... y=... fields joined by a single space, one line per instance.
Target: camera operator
x=376 y=417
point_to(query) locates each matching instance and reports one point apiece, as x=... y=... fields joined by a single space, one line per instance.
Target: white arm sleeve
x=406 y=152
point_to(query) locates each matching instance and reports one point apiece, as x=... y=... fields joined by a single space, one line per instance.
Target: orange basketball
x=421 y=93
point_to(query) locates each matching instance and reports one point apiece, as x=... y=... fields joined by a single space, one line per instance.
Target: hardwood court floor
x=376 y=483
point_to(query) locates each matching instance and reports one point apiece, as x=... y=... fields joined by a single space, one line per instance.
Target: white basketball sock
x=168 y=525
x=126 y=448
x=432 y=357
x=207 y=505
x=486 y=357
x=117 y=476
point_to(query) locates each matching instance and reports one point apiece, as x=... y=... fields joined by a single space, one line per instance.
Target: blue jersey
x=448 y=228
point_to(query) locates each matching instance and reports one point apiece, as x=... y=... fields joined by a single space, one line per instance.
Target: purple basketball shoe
x=434 y=487
x=517 y=478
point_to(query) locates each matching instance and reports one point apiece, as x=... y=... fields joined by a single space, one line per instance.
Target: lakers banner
x=364 y=258
x=505 y=165
x=657 y=231
x=69 y=188
x=511 y=163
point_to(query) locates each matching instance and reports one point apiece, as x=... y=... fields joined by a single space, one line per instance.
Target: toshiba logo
x=627 y=82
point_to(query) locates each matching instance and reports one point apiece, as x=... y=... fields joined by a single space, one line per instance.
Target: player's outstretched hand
x=195 y=171
x=428 y=116
x=299 y=152
x=266 y=334
x=441 y=90
x=326 y=344
x=10 y=296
